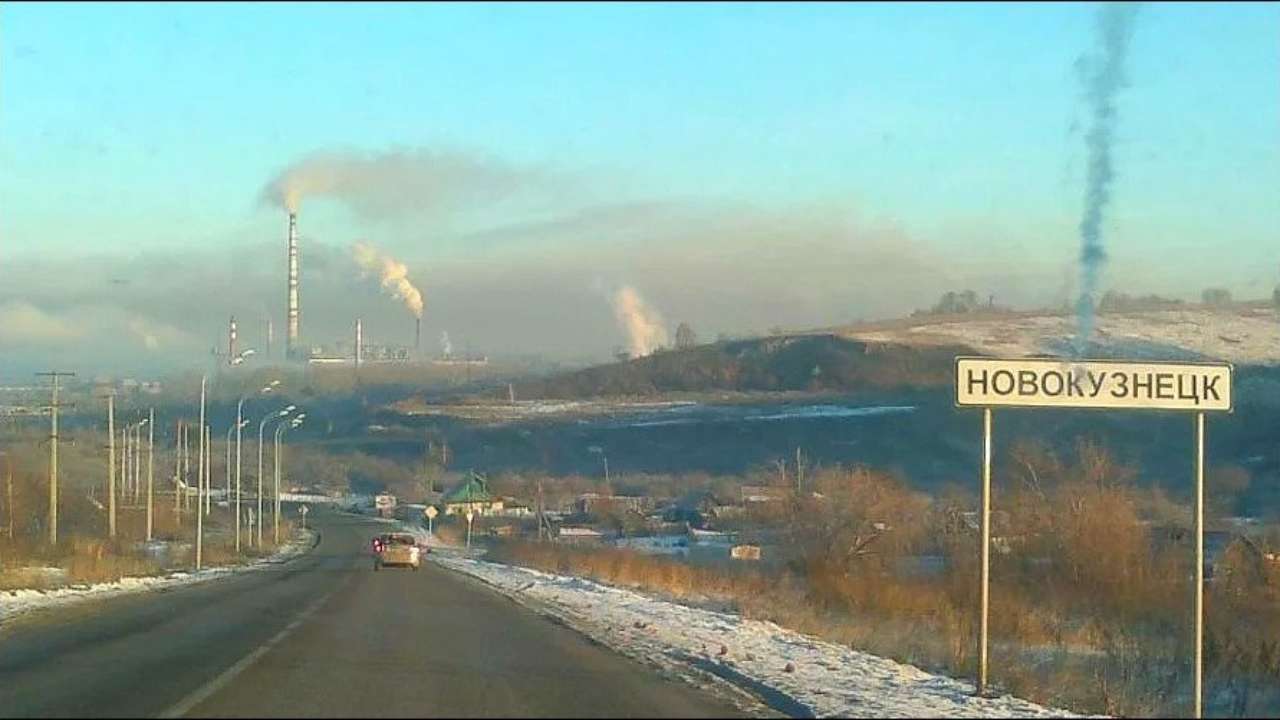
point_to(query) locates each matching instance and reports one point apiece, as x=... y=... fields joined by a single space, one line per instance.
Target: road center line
x=207 y=690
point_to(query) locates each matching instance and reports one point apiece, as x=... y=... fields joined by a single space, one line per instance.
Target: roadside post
x=470 y=516
x=431 y=513
x=988 y=383
x=303 y=512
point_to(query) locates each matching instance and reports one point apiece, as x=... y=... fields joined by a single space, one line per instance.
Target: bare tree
x=1216 y=297
x=685 y=337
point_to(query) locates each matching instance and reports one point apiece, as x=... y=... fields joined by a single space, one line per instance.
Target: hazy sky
x=742 y=166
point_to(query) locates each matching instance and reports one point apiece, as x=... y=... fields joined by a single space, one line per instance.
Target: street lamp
x=136 y=469
x=297 y=420
x=239 y=424
x=230 y=430
x=261 y=426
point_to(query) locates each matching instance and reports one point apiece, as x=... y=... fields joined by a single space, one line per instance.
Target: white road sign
x=431 y=512
x=304 y=510
x=1111 y=384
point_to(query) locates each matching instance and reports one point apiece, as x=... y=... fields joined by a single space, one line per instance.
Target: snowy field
x=1244 y=336
x=17 y=602
x=794 y=674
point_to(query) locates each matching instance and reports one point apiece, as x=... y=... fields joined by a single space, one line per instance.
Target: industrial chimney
x=291 y=339
x=231 y=340
x=359 y=344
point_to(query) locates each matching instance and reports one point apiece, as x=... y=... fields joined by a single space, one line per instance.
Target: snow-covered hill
x=1242 y=335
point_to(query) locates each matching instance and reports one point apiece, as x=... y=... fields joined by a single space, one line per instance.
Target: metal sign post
x=1199 y=671
x=986 y=550
x=470 y=516
x=431 y=513
x=1097 y=384
x=303 y=512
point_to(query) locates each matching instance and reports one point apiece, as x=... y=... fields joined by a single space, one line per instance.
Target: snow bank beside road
x=793 y=673
x=18 y=602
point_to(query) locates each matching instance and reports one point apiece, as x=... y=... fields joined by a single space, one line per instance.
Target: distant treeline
x=796 y=363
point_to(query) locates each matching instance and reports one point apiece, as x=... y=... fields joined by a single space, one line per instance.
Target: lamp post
x=230 y=430
x=280 y=431
x=111 y=466
x=201 y=477
x=151 y=460
x=262 y=425
x=240 y=424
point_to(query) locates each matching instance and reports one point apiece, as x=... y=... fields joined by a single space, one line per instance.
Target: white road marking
x=207 y=690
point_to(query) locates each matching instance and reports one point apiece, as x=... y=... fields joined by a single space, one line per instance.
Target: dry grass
x=1088 y=603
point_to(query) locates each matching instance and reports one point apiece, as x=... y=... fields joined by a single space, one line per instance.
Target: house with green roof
x=472 y=494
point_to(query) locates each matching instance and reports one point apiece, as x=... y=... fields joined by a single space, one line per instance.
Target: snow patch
x=792 y=673
x=18 y=602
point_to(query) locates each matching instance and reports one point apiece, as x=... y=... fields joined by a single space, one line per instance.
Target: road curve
x=324 y=636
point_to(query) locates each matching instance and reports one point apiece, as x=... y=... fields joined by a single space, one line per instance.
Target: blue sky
x=128 y=129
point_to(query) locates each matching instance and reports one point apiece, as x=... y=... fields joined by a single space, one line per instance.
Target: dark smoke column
x=291 y=338
x=1103 y=77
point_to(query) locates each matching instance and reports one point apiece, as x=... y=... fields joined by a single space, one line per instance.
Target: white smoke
x=643 y=326
x=392 y=273
x=145 y=333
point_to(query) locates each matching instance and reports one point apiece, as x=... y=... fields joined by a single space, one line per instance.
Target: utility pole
x=124 y=459
x=799 y=473
x=542 y=518
x=151 y=470
x=186 y=466
x=53 y=454
x=201 y=499
x=8 y=473
x=111 y=465
x=200 y=490
x=137 y=463
x=177 y=474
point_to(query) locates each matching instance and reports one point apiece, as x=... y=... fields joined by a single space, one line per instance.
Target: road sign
x=304 y=510
x=1105 y=384
x=431 y=512
x=470 y=516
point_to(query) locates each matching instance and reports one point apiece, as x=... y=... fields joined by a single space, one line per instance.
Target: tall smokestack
x=291 y=340
x=231 y=340
x=359 y=343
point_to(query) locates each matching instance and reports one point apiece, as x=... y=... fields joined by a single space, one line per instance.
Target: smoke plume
x=395 y=182
x=642 y=324
x=1103 y=75
x=392 y=273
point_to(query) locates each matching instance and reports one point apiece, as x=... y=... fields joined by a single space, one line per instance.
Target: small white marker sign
x=431 y=512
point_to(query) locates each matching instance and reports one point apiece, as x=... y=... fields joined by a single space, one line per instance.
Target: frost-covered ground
x=1246 y=335
x=18 y=602
x=792 y=673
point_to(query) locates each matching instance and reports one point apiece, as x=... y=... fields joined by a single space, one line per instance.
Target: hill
x=804 y=363
x=917 y=353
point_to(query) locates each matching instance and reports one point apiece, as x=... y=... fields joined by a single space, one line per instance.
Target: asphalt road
x=324 y=636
